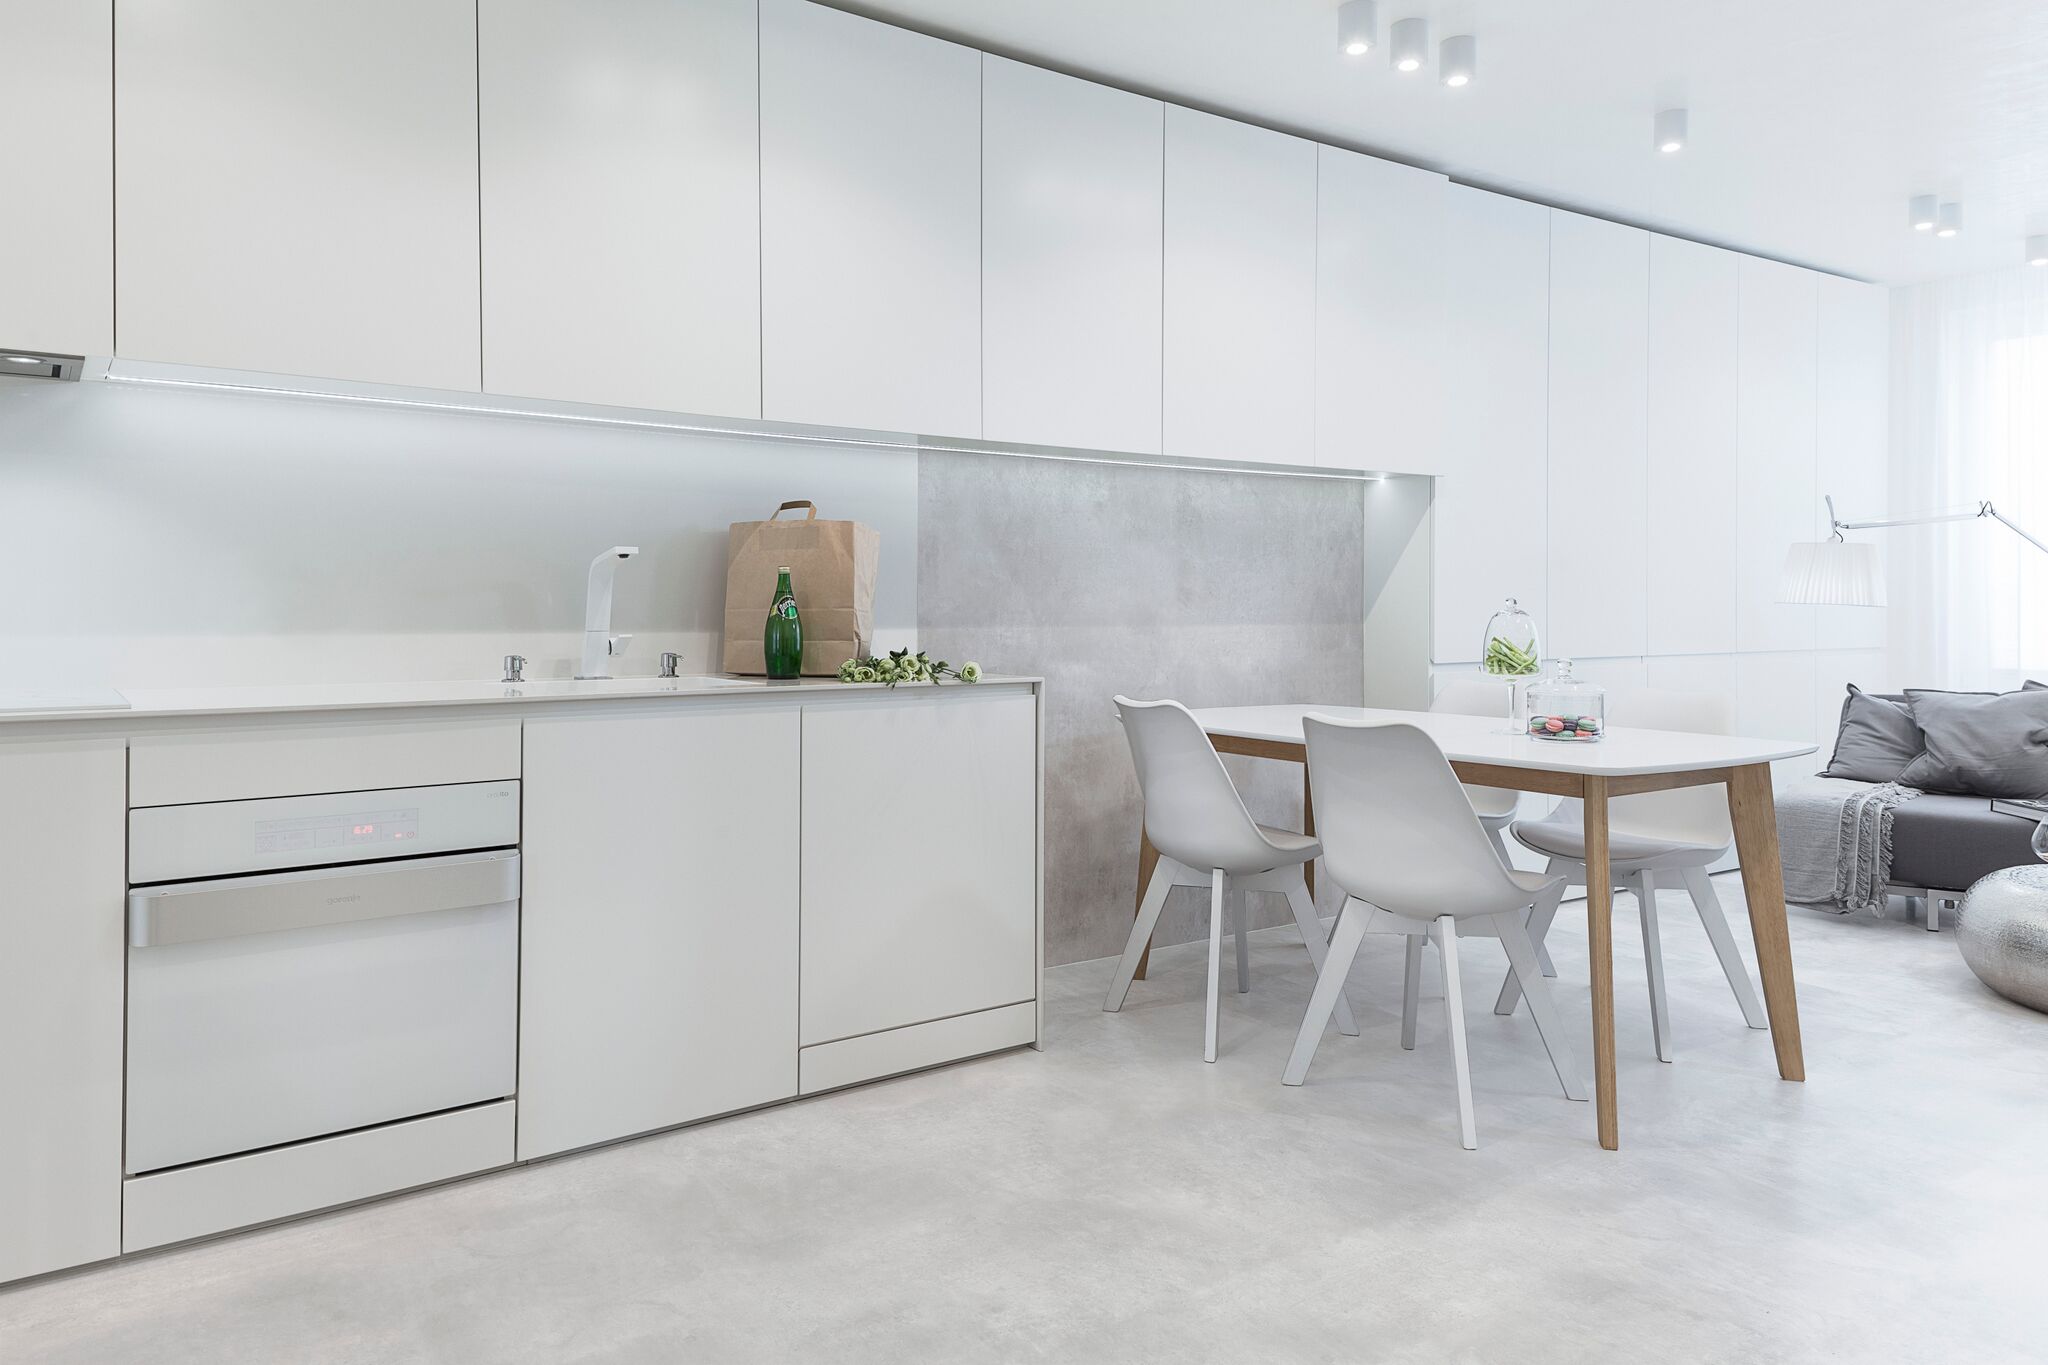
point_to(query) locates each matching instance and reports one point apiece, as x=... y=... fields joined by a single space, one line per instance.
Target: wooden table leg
x=1600 y=955
x=1763 y=885
x=1308 y=827
x=1148 y=858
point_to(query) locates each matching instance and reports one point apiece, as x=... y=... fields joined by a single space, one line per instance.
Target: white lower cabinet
x=658 y=963
x=919 y=860
x=63 y=817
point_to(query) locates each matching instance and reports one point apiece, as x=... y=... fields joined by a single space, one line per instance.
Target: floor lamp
x=1843 y=573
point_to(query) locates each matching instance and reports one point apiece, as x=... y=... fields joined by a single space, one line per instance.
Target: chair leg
x=1240 y=914
x=1549 y=1027
x=1644 y=886
x=1141 y=934
x=1411 y=990
x=1318 y=952
x=1329 y=987
x=1716 y=924
x=1217 y=899
x=1454 y=1014
x=1538 y=923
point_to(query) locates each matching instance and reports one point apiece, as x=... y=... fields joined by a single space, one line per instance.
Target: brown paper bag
x=832 y=566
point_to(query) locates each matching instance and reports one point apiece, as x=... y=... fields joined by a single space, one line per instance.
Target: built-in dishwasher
x=304 y=966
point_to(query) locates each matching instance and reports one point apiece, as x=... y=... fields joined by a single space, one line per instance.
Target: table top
x=1483 y=739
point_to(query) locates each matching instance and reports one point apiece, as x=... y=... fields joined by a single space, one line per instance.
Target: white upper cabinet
x=870 y=224
x=1853 y=385
x=620 y=179
x=57 y=231
x=1071 y=261
x=1599 y=384
x=1491 y=534
x=296 y=187
x=1240 y=291
x=1776 y=502
x=1379 y=314
x=1692 y=417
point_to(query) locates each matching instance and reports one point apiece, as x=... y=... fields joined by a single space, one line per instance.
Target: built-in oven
x=305 y=966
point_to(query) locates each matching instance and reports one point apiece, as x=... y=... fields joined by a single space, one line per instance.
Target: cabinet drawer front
x=920 y=822
x=169 y=770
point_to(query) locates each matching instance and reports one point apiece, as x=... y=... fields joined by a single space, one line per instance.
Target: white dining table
x=1624 y=762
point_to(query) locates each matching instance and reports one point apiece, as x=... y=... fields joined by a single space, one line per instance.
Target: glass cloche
x=1511 y=649
x=1564 y=707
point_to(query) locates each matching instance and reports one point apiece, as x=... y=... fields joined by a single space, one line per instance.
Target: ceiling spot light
x=1457 y=61
x=2037 y=249
x=1670 y=130
x=1920 y=213
x=1358 y=27
x=1408 y=44
x=1948 y=221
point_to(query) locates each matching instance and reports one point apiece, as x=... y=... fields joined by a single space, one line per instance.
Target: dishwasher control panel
x=294 y=833
x=228 y=838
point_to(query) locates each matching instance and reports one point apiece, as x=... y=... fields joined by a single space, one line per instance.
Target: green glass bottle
x=782 y=640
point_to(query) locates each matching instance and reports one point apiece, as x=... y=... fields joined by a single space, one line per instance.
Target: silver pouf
x=2002 y=928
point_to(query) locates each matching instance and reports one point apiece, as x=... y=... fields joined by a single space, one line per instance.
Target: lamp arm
x=1984 y=509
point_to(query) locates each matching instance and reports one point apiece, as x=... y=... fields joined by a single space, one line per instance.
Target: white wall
x=166 y=537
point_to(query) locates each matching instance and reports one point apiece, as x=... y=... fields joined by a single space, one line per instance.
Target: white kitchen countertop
x=316 y=697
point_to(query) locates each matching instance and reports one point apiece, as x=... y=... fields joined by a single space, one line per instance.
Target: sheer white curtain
x=1969 y=405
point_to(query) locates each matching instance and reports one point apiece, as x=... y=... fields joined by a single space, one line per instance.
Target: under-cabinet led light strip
x=742 y=433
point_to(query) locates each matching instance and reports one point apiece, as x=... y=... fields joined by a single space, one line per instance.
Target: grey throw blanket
x=1835 y=837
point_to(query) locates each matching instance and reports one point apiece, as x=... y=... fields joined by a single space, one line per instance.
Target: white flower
x=970 y=672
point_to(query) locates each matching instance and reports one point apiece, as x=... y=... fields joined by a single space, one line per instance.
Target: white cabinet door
x=1776 y=503
x=57 y=232
x=1071 y=261
x=620 y=181
x=1490 y=522
x=1854 y=385
x=1599 y=389
x=297 y=187
x=919 y=858
x=63 y=828
x=1692 y=420
x=870 y=224
x=1379 y=314
x=1240 y=381
x=658 y=956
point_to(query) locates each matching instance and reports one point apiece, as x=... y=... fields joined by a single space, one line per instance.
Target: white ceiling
x=1813 y=121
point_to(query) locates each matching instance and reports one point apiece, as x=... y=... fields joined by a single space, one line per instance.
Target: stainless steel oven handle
x=190 y=912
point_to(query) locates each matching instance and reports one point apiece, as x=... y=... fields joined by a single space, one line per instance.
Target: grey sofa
x=1942 y=844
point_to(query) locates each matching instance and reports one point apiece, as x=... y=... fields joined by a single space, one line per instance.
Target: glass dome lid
x=1511 y=648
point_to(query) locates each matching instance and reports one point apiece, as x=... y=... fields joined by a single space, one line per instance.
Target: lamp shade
x=1832 y=573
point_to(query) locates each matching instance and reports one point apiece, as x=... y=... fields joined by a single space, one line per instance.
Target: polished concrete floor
x=1114 y=1199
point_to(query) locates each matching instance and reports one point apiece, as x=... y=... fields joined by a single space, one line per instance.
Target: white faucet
x=599 y=644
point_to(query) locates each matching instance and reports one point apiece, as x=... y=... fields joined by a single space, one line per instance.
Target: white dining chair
x=1206 y=838
x=1668 y=837
x=1495 y=806
x=1401 y=841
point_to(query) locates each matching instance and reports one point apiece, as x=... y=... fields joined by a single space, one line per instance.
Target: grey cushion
x=1875 y=740
x=1983 y=746
x=1945 y=843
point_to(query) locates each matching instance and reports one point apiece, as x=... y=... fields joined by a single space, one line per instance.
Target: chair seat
x=1567 y=839
x=1294 y=848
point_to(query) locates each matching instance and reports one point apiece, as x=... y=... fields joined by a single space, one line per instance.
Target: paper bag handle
x=811 y=509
